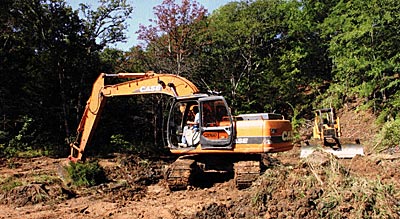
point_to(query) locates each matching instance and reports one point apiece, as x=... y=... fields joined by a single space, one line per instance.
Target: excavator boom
x=141 y=83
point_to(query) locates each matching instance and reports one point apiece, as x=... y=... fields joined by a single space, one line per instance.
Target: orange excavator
x=220 y=142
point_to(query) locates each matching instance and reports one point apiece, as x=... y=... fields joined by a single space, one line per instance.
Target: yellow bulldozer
x=327 y=136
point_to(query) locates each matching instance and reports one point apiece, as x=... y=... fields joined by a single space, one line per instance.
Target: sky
x=142 y=12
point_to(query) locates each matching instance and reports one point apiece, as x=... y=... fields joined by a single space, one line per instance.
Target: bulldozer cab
x=215 y=128
x=327 y=132
x=326 y=125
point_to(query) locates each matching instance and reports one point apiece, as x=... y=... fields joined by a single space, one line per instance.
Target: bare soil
x=135 y=188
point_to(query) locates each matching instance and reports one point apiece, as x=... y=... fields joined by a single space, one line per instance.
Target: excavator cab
x=215 y=129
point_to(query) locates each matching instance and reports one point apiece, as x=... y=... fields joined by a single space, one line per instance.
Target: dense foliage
x=287 y=56
x=49 y=59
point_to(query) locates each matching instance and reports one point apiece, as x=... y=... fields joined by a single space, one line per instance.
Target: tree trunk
x=63 y=99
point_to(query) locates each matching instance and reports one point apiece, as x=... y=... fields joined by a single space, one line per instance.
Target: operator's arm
x=196 y=120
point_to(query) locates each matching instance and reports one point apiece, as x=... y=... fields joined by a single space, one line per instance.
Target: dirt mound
x=30 y=181
x=357 y=124
x=322 y=186
x=44 y=180
x=28 y=194
x=134 y=169
x=214 y=211
x=129 y=176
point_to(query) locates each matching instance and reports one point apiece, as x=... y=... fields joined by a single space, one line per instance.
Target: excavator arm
x=141 y=83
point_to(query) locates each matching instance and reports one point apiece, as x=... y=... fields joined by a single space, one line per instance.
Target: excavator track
x=246 y=172
x=180 y=173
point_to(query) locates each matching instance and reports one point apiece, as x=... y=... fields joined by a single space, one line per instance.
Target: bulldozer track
x=246 y=172
x=180 y=174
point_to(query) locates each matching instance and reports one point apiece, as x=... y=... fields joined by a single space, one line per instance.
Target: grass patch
x=7 y=184
x=324 y=190
x=46 y=179
x=32 y=153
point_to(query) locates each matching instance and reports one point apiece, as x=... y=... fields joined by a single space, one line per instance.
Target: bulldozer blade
x=346 y=151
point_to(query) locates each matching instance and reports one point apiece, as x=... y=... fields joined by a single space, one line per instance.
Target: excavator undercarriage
x=197 y=170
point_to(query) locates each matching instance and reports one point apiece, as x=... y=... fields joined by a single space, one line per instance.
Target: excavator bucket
x=347 y=150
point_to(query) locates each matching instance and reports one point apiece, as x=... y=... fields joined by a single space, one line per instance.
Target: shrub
x=86 y=174
x=333 y=97
x=389 y=136
x=118 y=141
x=296 y=122
x=20 y=142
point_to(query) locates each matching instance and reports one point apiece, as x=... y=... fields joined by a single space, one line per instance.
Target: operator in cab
x=191 y=128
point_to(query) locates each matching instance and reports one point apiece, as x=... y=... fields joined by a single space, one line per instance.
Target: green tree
x=239 y=37
x=48 y=58
x=267 y=53
x=107 y=23
x=363 y=47
x=39 y=38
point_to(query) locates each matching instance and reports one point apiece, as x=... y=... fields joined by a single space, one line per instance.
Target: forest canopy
x=286 y=56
